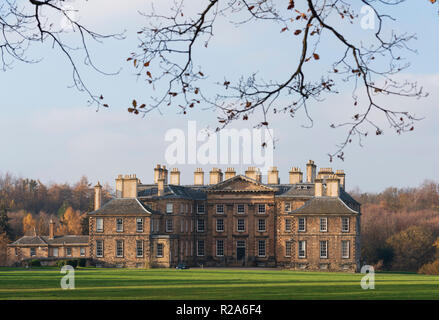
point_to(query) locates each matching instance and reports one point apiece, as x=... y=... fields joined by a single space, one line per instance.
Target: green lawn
x=92 y=283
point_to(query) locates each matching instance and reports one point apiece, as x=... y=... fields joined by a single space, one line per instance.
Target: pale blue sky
x=48 y=132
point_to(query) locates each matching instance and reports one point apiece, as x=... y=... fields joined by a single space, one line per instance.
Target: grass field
x=92 y=283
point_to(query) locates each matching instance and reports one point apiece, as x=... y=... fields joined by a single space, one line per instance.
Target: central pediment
x=239 y=183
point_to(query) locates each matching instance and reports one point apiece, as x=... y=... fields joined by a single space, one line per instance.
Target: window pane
x=200 y=248
x=302 y=249
x=220 y=248
x=288 y=225
x=288 y=249
x=220 y=225
x=119 y=225
x=99 y=224
x=323 y=224
x=241 y=225
x=302 y=224
x=119 y=248
x=139 y=248
x=200 y=225
x=345 y=224
x=99 y=248
x=345 y=249
x=323 y=249
x=159 y=250
x=139 y=223
x=261 y=225
x=261 y=248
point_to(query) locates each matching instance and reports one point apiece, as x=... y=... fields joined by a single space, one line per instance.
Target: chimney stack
x=216 y=176
x=342 y=177
x=160 y=187
x=273 y=176
x=164 y=174
x=253 y=173
x=296 y=176
x=310 y=171
x=175 y=176
x=230 y=173
x=157 y=173
x=126 y=186
x=325 y=173
x=333 y=186
x=199 y=177
x=51 y=229
x=98 y=196
x=318 y=188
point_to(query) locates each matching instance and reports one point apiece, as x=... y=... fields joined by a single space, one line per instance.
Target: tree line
x=28 y=205
x=400 y=228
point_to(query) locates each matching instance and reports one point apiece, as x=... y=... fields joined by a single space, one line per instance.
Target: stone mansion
x=311 y=223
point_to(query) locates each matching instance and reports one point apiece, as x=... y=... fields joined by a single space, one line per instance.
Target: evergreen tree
x=4 y=222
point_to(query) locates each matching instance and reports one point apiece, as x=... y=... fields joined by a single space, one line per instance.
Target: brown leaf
x=146 y=64
x=297 y=32
x=284 y=29
x=134 y=103
x=316 y=56
x=149 y=74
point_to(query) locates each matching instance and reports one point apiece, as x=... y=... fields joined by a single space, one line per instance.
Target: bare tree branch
x=371 y=67
x=31 y=22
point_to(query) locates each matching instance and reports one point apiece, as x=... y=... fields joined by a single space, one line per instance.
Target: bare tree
x=29 y=22
x=170 y=42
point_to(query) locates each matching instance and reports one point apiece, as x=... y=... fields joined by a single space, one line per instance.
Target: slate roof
x=173 y=192
x=295 y=190
x=57 y=240
x=325 y=205
x=122 y=206
x=222 y=186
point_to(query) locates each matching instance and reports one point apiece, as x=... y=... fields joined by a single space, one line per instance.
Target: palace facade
x=311 y=223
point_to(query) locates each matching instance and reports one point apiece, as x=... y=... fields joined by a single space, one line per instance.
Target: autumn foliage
x=399 y=227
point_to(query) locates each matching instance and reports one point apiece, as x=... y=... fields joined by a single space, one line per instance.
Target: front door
x=240 y=251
